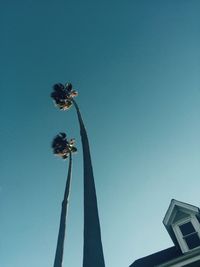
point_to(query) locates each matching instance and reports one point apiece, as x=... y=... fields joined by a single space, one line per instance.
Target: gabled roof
x=179 y=206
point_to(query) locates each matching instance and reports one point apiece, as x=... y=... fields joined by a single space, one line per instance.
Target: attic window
x=190 y=235
x=182 y=221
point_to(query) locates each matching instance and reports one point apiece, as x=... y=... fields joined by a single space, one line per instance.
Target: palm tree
x=63 y=148
x=63 y=96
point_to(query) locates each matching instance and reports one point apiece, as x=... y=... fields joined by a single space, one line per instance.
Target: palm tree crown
x=63 y=94
x=62 y=147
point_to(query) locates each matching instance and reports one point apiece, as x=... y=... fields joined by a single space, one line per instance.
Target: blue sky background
x=136 y=65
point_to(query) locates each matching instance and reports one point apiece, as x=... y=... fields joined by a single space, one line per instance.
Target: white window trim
x=179 y=235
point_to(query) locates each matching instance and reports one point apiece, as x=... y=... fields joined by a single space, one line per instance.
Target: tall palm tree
x=63 y=96
x=63 y=148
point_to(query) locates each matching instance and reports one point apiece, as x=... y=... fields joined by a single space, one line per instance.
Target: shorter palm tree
x=63 y=148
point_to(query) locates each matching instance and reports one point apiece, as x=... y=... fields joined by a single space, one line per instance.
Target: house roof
x=176 y=210
x=158 y=257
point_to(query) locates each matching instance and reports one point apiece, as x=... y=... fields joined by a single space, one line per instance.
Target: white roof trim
x=178 y=204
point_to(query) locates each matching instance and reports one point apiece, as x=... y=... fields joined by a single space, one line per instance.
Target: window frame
x=180 y=237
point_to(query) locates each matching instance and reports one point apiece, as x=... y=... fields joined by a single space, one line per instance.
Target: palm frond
x=62 y=147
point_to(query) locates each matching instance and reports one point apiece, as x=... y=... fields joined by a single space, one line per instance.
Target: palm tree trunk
x=61 y=235
x=92 y=249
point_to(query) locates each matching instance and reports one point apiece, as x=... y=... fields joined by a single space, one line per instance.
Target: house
x=182 y=221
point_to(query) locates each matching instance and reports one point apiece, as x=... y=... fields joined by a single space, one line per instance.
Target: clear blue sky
x=136 y=65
